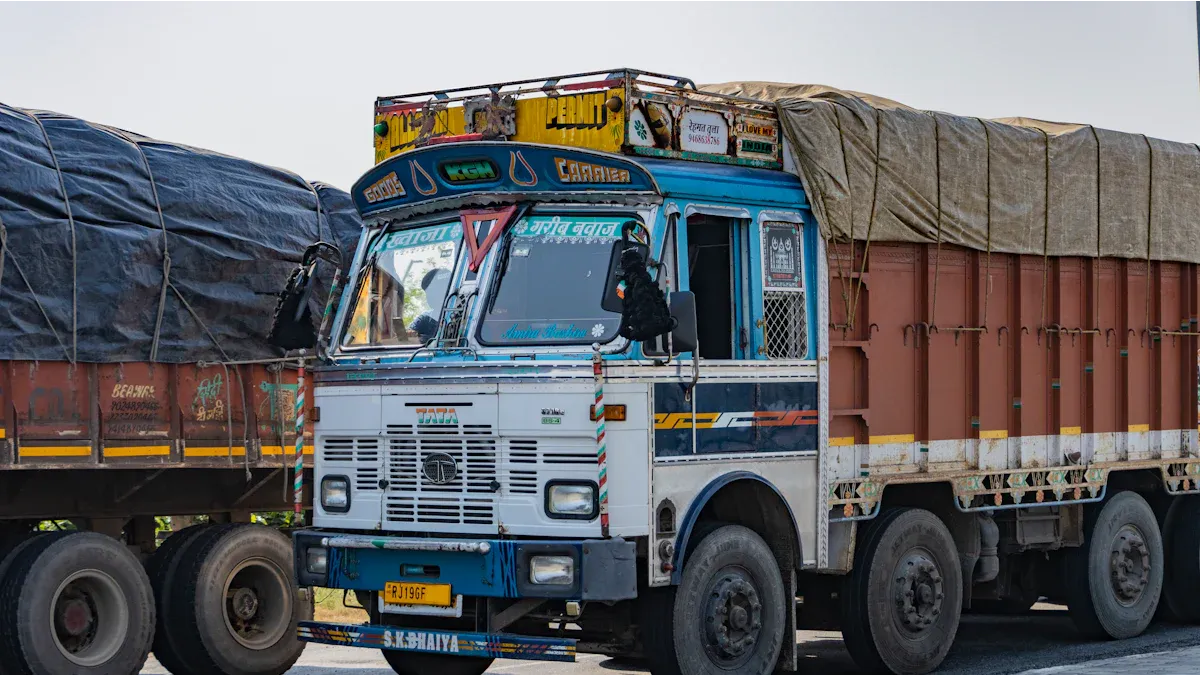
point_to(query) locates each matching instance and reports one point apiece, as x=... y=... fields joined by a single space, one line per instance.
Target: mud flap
x=787 y=653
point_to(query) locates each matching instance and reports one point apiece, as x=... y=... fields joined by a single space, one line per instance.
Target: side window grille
x=785 y=317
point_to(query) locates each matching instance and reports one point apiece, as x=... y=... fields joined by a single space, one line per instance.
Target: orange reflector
x=612 y=413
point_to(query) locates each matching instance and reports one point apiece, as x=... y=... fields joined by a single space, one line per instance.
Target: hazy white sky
x=293 y=84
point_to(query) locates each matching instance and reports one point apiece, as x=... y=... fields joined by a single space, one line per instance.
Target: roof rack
x=623 y=111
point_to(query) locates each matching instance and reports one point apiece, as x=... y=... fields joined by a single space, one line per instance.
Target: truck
x=634 y=367
x=137 y=281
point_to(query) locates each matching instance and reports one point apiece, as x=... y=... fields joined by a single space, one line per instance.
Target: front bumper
x=487 y=645
x=605 y=569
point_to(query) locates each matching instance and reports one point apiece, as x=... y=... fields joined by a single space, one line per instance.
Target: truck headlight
x=571 y=500
x=335 y=494
x=552 y=570
x=317 y=560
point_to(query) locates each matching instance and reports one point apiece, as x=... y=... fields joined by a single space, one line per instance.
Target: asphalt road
x=986 y=645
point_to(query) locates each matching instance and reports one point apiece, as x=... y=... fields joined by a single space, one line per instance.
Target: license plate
x=400 y=593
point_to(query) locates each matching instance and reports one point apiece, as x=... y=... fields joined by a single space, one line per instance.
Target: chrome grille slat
x=467 y=500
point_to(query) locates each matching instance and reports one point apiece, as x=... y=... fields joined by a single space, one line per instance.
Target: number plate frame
x=417 y=594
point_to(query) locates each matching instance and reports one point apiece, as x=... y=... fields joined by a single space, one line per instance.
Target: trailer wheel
x=1113 y=581
x=415 y=663
x=235 y=604
x=728 y=613
x=159 y=568
x=901 y=605
x=78 y=604
x=1181 y=584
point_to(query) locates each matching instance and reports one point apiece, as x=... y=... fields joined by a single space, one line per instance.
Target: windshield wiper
x=502 y=262
x=501 y=268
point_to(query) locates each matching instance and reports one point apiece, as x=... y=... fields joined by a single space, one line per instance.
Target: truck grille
x=468 y=499
x=359 y=454
x=527 y=464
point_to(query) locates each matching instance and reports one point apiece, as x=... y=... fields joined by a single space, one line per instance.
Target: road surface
x=986 y=645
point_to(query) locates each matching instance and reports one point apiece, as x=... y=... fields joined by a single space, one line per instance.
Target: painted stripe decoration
x=601 y=450
x=298 y=480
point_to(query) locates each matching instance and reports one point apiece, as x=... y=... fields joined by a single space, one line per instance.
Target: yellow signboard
x=579 y=120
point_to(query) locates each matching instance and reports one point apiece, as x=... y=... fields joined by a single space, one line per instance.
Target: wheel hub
x=244 y=603
x=919 y=592
x=1129 y=565
x=75 y=617
x=733 y=616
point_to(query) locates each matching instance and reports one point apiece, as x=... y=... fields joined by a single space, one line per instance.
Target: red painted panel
x=135 y=401
x=52 y=401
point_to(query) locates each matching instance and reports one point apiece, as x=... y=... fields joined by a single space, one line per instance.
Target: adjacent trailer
x=921 y=364
x=137 y=281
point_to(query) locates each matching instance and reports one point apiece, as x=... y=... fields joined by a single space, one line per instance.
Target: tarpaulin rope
x=1046 y=229
x=1149 y=225
x=937 y=168
x=166 y=253
x=870 y=218
x=62 y=186
x=842 y=271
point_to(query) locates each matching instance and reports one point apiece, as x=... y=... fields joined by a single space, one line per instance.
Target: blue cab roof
x=702 y=180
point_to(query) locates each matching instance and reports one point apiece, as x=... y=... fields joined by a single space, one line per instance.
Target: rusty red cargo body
x=953 y=351
x=145 y=414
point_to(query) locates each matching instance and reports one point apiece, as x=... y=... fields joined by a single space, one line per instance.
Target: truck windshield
x=551 y=273
x=399 y=301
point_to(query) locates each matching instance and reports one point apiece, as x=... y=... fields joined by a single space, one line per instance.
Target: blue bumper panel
x=604 y=569
x=488 y=645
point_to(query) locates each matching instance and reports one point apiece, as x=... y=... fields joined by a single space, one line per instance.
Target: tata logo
x=437 y=416
x=440 y=468
x=469 y=171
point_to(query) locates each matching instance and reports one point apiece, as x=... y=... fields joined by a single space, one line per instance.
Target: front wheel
x=410 y=663
x=901 y=605
x=727 y=614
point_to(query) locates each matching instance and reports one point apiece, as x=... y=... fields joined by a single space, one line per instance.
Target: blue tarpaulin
x=116 y=247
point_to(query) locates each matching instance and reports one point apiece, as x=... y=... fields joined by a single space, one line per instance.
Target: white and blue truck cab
x=499 y=472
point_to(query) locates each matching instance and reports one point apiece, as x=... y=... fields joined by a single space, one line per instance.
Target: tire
x=92 y=593
x=415 y=663
x=247 y=566
x=160 y=568
x=1123 y=529
x=727 y=613
x=1181 y=543
x=902 y=603
x=11 y=659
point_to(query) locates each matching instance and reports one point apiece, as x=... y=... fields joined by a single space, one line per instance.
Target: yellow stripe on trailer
x=215 y=451
x=137 y=451
x=56 y=451
x=895 y=438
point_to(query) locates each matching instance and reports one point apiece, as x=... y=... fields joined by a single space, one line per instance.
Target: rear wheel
x=1114 y=580
x=411 y=663
x=1181 y=586
x=80 y=604
x=901 y=605
x=234 y=603
x=159 y=568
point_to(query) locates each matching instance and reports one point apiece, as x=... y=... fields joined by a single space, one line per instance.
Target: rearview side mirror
x=684 y=336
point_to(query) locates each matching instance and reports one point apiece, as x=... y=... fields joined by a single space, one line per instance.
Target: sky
x=293 y=84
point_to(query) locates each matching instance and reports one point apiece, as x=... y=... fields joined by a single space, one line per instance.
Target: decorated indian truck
x=914 y=365
x=137 y=280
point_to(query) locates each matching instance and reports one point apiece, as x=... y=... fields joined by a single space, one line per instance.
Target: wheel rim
x=919 y=591
x=89 y=618
x=1129 y=565
x=257 y=603
x=732 y=618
